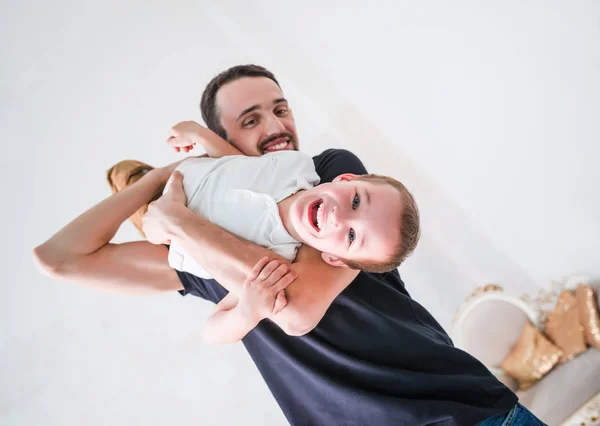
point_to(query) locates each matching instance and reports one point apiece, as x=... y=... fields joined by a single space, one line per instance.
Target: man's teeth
x=280 y=145
x=319 y=215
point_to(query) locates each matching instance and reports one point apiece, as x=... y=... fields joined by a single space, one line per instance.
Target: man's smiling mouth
x=280 y=143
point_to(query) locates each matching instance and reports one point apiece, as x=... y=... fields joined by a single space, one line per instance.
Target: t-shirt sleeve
x=290 y=172
x=334 y=162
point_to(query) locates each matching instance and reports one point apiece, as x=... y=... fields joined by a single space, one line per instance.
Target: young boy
x=364 y=222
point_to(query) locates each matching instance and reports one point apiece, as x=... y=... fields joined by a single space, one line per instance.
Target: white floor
x=488 y=113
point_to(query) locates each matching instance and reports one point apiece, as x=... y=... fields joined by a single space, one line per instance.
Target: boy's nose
x=334 y=218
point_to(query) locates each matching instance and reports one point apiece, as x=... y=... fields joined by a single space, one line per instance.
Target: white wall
x=489 y=113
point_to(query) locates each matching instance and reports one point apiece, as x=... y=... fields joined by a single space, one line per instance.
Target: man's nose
x=274 y=125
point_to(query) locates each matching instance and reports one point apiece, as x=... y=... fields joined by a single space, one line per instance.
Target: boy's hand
x=263 y=292
x=183 y=136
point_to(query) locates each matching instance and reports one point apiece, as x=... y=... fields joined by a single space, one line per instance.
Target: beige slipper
x=124 y=174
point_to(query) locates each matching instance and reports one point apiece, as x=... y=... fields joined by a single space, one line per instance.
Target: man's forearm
x=228 y=258
x=97 y=226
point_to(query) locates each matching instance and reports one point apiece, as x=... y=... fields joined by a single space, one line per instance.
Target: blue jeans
x=518 y=416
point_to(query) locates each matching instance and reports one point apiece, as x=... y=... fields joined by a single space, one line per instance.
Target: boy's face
x=256 y=116
x=349 y=219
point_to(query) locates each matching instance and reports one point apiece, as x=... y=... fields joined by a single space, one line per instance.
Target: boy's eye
x=355 y=202
x=351 y=235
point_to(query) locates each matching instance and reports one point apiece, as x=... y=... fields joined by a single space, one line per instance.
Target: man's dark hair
x=208 y=106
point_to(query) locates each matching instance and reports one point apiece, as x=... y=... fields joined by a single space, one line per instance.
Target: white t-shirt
x=240 y=194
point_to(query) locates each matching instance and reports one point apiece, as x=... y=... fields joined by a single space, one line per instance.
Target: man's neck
x=284 y=207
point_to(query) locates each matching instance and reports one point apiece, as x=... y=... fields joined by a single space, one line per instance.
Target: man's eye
x=249 y=123
x=282 y=111
x=355 y=202
x=351 y=236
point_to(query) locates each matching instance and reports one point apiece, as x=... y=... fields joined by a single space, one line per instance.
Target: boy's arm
x=262 y=296
x=227 y=324
x=184 y=135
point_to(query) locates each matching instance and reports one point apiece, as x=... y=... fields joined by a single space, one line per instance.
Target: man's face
x=256 y=116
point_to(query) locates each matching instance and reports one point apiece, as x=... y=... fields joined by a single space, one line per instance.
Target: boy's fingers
x=268 y=270
x=257 y=268
x=284 y=282
x=276 y=275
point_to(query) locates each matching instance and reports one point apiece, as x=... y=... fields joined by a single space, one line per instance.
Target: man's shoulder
x=369 y=281
x=335 y=153
x=334 y=162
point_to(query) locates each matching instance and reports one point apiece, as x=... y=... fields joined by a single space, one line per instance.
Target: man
x=376 y=356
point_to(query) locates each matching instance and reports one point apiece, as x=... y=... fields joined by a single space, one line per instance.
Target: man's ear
x=332 y=260
x=345 y=177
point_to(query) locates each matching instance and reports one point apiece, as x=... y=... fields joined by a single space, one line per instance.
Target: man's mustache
x=270 y=139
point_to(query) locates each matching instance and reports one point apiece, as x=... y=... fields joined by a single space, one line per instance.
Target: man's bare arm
x=311 y=294
x=81 y=252
x=229 y=259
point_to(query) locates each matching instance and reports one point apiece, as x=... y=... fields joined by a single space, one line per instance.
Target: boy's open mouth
x=314 y=214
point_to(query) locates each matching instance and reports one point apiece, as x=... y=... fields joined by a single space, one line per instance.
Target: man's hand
x=183 y=136
x=158 y=221
x=263 y=293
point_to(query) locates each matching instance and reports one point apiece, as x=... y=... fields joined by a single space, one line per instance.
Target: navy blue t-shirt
x=376 y=358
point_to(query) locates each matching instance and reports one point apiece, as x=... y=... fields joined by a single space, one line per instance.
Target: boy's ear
x=332 y=260
x=345 y=177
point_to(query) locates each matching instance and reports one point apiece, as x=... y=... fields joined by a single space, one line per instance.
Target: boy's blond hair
x=409 y=229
